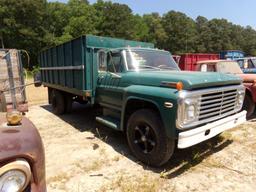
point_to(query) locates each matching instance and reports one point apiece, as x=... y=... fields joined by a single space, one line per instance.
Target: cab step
x=109 y=122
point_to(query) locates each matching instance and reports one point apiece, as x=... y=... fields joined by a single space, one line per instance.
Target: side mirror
x=37 y=79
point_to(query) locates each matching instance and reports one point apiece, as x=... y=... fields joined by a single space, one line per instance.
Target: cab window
x=102 y=62
x=115 y=62
x=208 y=68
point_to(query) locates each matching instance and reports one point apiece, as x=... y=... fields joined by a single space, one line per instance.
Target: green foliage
x=116 y=20
x=156 y=33
x=37 y=24
x=21 y=24
x=181 y=31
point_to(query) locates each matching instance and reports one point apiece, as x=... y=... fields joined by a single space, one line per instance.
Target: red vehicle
x=188 y=61
x=232 y=67
x=22 y=160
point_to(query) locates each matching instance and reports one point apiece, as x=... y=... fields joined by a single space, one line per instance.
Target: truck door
x=109 y=91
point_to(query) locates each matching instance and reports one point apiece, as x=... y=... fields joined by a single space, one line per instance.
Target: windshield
x=146 y=59
x=229 y=67
x=254 y=61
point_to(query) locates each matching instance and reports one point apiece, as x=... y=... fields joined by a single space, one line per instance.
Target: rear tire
x=2 y=103
x=248 y=105
x=68 y=103
x=147 y=138
x=57 y=101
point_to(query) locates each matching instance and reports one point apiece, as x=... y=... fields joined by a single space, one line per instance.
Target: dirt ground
x=82 y=156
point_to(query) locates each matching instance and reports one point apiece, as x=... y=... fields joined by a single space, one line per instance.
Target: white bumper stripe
x=197 y=135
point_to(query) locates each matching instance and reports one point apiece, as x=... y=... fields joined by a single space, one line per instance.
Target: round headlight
x=15 y=176
x=12 y=181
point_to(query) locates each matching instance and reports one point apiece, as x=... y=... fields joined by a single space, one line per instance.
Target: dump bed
x=72 y=66
x=12 y=73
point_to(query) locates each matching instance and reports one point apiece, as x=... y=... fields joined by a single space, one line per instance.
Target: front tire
x=248 y=105
x=147 y=138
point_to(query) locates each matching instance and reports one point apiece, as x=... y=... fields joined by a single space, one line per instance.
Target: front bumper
x=197 y=135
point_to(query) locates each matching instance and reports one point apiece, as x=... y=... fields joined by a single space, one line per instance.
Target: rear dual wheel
x=147 y=138
x=61 y=102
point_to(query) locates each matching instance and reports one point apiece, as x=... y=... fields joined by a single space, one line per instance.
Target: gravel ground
x=82 y=156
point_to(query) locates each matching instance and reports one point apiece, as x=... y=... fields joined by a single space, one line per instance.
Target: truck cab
x=143 y=93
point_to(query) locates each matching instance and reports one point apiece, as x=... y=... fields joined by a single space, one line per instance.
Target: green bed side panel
x=81 y=51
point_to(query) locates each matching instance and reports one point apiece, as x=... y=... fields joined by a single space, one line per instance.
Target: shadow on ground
x=82 y=118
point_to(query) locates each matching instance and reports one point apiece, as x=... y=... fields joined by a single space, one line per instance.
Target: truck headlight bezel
x=16 y=174
x=240 y=99
x=188 y=110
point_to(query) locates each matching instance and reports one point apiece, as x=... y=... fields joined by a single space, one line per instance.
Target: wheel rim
x=144 y=138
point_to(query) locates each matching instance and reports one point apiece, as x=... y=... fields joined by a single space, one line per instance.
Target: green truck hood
x=190 y=80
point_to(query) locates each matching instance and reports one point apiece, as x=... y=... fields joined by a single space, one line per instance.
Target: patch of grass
x=131 y=184
x=58 y=181
x=93 y=166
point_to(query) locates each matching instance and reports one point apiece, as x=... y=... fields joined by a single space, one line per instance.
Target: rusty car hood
x=24 y=142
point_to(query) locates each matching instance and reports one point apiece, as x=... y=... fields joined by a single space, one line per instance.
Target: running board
x=109 y=122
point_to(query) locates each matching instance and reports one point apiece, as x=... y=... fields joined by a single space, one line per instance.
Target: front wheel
x=147 y=138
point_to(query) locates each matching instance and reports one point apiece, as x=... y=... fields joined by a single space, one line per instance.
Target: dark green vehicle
x=142 y=92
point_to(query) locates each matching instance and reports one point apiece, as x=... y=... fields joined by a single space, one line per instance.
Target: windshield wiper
x=149 y=66
x=168 y=67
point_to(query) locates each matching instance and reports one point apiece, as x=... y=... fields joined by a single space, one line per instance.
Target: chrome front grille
x=219 y=103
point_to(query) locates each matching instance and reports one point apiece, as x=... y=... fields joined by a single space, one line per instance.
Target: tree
x=21 y=25
x=140 y=29
x=156 y=32
x=116 y=20
x=203 y=34
x=181 y=31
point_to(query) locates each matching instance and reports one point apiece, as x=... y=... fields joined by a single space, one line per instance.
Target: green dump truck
x=142 y=92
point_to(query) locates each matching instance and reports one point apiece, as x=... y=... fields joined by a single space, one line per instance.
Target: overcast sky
x=237 y=11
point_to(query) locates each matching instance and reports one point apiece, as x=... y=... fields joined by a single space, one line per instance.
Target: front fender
x=251 y=88
x=157 y=96
x=23 y=141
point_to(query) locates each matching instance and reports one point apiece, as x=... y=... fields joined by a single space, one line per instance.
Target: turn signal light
x=179 y=86
x=14 y=117
x=176 y=85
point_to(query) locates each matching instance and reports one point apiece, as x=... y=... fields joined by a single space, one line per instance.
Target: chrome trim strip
x=78 y=67
x=168 y=105
x=216 y=104
x=184 y=94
